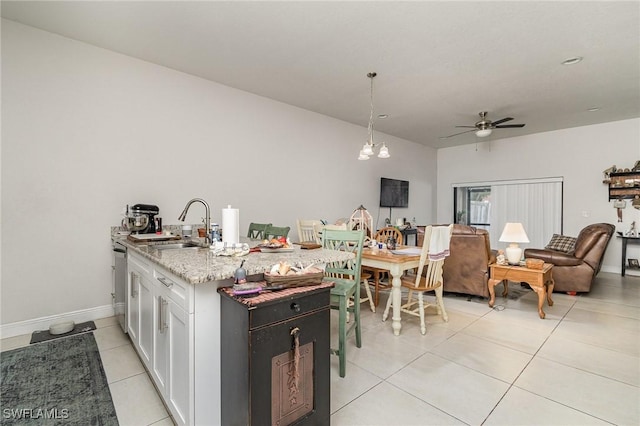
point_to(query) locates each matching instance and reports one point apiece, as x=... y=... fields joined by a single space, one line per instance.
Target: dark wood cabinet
x=275 y=366
x=624 y=185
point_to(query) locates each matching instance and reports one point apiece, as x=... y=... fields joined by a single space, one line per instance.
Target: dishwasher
x=119 y=294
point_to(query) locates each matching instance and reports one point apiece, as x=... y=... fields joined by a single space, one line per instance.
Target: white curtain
x=538 y=206
x=479 y=211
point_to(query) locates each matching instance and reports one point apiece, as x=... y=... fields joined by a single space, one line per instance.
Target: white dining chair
x=435 y=248
x=307 y=231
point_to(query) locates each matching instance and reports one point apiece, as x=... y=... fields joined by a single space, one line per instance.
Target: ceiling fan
x=484 y=127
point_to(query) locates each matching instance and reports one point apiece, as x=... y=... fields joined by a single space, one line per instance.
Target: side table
x=275 y=357
x=540 y=280
x=405 y=236
x=625 y=240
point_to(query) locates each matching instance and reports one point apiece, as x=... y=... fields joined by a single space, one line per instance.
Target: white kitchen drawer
x=175 y=289
x=136 y=262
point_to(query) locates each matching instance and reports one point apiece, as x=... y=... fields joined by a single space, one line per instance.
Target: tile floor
x=501 y=366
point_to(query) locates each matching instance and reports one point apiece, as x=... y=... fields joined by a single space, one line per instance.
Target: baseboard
x=43 y=323
x=612 y=269
x=618 y=270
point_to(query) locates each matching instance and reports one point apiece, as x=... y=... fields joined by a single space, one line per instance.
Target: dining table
x=396 y=262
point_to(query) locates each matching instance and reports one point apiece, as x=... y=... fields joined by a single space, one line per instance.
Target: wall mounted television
x=394 y=193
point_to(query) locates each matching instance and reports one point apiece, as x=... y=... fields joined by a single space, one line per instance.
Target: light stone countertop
x=200 y=265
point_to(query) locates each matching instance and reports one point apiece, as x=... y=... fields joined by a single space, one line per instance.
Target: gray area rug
x=516 y=291
x=58 y=382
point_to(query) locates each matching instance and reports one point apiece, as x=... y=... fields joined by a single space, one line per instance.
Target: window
x=473 y=206
x=536 y=203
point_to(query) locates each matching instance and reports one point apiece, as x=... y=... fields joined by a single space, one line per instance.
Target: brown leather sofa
x=575 y=271
x=466 y=269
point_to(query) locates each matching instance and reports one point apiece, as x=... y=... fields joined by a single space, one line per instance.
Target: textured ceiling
x=438 y=63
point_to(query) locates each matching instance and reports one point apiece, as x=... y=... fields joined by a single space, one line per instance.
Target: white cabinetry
x=136 y=269
x=161 y=326
x=145 y=289
x=180 y=385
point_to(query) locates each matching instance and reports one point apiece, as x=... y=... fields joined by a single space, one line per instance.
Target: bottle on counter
x=215 y=233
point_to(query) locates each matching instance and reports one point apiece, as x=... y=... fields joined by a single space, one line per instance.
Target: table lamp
x=513 y=233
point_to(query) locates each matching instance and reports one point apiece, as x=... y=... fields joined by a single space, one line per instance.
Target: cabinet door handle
x=162 y=314
x=166 y=282
x=134 y=292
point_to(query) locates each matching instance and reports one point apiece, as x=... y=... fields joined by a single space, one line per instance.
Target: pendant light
x=367 y=148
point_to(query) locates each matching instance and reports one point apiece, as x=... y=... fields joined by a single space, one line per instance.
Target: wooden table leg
x=540 y=289
x=396 y=295
x=492 y=292
x=505 y=288
x=550 y=284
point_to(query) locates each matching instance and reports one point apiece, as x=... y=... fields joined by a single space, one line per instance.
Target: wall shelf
x=624 y=185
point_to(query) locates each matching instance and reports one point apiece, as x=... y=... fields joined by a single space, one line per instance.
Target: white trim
x=43 y=323
x=508 y=182
x=618 y=270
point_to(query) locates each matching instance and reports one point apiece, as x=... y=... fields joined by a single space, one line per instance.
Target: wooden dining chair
x=346 y=276
x=307 y=230
x=382 y=236
x=256 y=230
x=276 y=232
x=429 y=276
x=364 y=277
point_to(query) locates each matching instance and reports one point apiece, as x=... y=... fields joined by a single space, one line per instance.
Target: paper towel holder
x=230 y=225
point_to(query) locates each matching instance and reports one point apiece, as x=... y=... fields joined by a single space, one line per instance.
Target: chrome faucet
x=207 y=219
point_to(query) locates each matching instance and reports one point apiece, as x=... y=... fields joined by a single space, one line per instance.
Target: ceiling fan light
x=384 y=152
x=483 y=133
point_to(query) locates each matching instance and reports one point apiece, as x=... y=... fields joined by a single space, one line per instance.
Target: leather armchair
x=575 y=271
x=466 y=269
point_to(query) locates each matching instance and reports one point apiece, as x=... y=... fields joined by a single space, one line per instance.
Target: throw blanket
x=439 y=243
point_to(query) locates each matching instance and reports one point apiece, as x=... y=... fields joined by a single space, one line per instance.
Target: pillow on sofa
x=562 y=243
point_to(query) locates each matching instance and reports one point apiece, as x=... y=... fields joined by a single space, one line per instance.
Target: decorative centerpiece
x=283 y=275
x=362 y=219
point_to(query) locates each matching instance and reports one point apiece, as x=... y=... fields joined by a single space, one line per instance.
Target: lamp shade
x=513 y=233
x=483 y=133
x=384 y=152
x=367 y=149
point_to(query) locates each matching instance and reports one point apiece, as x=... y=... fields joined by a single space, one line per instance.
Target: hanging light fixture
x=367 y=148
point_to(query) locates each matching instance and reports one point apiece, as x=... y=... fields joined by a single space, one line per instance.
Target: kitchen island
x=173 y=318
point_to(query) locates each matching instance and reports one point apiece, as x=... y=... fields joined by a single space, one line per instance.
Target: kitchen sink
x=176 y=246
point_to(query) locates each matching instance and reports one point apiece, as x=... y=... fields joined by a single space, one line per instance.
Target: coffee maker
x=140 y=211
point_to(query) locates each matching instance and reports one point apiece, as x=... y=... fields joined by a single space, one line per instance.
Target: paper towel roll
x=230 y=225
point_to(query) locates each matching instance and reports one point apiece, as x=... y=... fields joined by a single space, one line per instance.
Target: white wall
x=579 y=155
x=86 y=131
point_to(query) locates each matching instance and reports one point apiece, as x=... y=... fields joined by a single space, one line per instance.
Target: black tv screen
x=394 y=193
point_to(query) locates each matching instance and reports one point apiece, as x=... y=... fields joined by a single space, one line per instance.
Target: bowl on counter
x=136 y=222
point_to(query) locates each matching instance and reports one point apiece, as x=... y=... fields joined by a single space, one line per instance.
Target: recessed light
x=594 y=109
x=382 y=116
x=572 y=61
